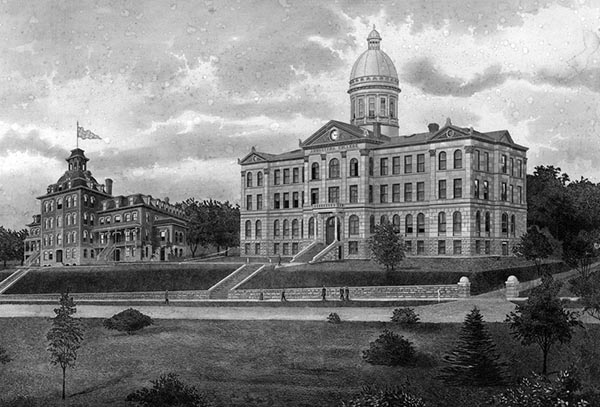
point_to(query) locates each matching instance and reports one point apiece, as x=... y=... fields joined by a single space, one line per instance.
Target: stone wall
x=145 y=295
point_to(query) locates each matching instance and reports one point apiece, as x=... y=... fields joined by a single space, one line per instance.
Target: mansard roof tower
x=374 y=89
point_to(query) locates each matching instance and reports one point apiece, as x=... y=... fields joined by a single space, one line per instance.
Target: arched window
x=420 y=224
x=85 y=200
x=383 y=220
x=59 y=221
x=259 y=179
x=135 y=215
x=276 y=228
x=59 y=203
x=372 y=224
x=248 y=179
x=295 y=228
x=442 y=161
x=408 y=224
x=257 y=230
x=68 y=237
x=488 y=226
x=92 y=217
x=442 y=223
x=396 y=223
x=248 y=232
x=68 y=202
x=457 y=159
x=127 y=217
x=85 y=235
x=311 y=227
x=478 y=223
x=456 y=223
x=74 y=237
x=354 y=167
x=334 y=168
x=59 y=239
x=92 y=201
x=74 y=200
x=286 y=228
x=74 y=219
x=513 y=226
x=504 y=224
x=353 y=225
x=314 y=171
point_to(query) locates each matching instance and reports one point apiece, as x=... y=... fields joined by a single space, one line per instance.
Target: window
x=486 y=162
x=294 y=247
x=512 y=167
x=285 y=249
x=456 y=223
x=370 y=193
x=286 y=176
x=504 y=224
x=314 y=171
x=314 y=196
x=478 y=160
x=277 y=201
x=408 y=192
x=259 y=202
x=275 y=248
x=371 y=166
x=457 y=246
x=486 y=190
x=59 y=203
x=334 y=168
x=505 y=248
x=383 y=166
x=442 y=223
x=127 y=217
x=334 y=194
x=442 y=189
x=396 y=165
x=383 y=193
x=68 y=202
x=354 y=167
x=513 y=226
x=353 y=225
x=420 y=191
x=442 y=161
x=420 y=224
x=295 y=175
x=59 y=221
x=520 y=194
x=478 y=223
x=408 y=224
x=477 y=246
x=396 y=223
x=352 y=247
x=295 y=199
x=382 y=107
x=276 y=177
x=248 y=202
x=407 y=164
x=441 y=247
x=248 y=179
x=396 y=193
x=311 y=227
x=520 y=168
x=371 y=107
x=488 y=247
x=457 y=159
x=276 y=228
x=257 y=248
x=59 y=237
x=361 y=107
x=503 y=192
x=257 y=229
x=476 y=189
x=503 y=163
x=286 y=228
x=353 y=193
x=408 y=246
x=383 y=220
x=135 y=214
x=286 y=200
x=372 y=224
x=420 y=247
x=512 y=193
x=420 y=162
x=458 y=188
x=246 y=248
x=259 y=179
x=392 y=108
x=295 y=229
x=488 y=226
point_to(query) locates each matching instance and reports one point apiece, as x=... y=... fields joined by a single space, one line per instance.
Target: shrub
x=393 y=397
x=405 y=316
x=4 y=357
x=168 y=390
x=130 y=320
x=390 y=349
x=334 y=318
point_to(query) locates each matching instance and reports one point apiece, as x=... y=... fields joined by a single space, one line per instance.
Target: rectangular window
x=505 y=248
x=352 y=247
x=382 y=107
x=294 y=247
x=383 y=166
x=371 y=107
x=257 y=248
x=442 y=189
x=441 y=247
x=420 y=247
x=457 y=246
x=370 y=193
x=249 y=202
x=478 y=160
x=275 y=248
x=334 y=194
x=476 y=189
x=276 y=201
x=286 y=200
x=408 y=246
x=486 y=162
x=486 y=190
x=488 y=247
x=512 y=193
x=314 y=196
x=383 y=193
x=503 y=164
x=503 y=192
x=512 y=167
x=286 y=249
x=520 y=168
x=246 y=248
x=457 y=188
x=276 y=177
x=295 y=200
x=361 y=107
x=259 y=202
x=353 y=193
x=396 y=165
x=407 y=164
x=420 y=162
x=286 y=176
x=477 y=246
x=295 y=175
x=520 y=194
x=420 y=191
x=408 y=192
x=396 y=193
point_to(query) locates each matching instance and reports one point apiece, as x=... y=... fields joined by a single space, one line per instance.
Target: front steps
x=12 y=279
x=221 y=289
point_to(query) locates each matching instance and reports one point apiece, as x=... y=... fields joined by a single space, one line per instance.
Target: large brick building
x=449 y=190
x=81 y=223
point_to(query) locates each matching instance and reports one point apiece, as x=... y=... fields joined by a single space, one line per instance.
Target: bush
x=168 y=390
x=392 y=397
x=129 y=321
x=4 y=357
x=334 y=318
x=390 y=349
x=405 y=316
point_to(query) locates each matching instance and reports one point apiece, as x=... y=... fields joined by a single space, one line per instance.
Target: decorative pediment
x=337 y=133
x=253 y=157
x=450 y=132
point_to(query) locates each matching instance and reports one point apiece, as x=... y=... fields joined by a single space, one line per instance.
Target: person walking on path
x=283 y=299
x=167 y=297
x=347 y=292
x=341 y=293
x=324 y=294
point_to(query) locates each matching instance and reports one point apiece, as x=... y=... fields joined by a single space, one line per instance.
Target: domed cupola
x=374 y=89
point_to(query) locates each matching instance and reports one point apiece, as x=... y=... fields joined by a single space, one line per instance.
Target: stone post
x=512 y=287
x=464 y=287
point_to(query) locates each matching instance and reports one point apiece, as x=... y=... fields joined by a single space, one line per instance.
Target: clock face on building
x=334 y=135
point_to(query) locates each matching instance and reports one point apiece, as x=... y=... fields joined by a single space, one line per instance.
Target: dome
x=374 y=62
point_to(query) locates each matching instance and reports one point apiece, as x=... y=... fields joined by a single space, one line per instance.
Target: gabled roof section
x=255 y=157
x=338 y=133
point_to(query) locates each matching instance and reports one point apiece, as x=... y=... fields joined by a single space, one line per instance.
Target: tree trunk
x=63 y=384
x=545 y=365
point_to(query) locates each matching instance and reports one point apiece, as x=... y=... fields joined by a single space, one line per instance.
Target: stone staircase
x=222 y=288
x=13 y=278
x=328 y=253
x=308 y=253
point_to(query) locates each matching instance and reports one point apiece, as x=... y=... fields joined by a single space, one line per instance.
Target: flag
x=86 y=134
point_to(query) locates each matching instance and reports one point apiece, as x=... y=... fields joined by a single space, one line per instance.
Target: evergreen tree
x=474 y=360
x=65 y=336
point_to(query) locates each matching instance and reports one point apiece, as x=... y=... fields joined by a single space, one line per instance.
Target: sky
x=179 y=90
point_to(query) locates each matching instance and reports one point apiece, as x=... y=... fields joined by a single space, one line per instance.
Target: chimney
x=377 y=129
x=433 y=127
x=109 y=184
x=166 y=199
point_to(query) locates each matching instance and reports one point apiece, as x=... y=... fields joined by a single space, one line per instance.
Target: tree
x=386 y=246
x=534 y=246
x=390 y=349
x=393 y=397
x=168 y=390
x=581 y=251
x=542 y=319
x=474 y=360
x=129 y=321
x=12 y=244
x=64 y=337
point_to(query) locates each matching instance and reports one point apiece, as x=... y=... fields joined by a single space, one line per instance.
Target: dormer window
x=104 y=205
x=131 y=200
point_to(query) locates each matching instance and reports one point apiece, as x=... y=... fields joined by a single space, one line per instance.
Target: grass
x=248 y=363
x=122 y=279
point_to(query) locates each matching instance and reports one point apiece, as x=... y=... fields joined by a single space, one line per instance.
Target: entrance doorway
x=330 y=232
x=162 y=254
x=117 y=255
x=59 y=255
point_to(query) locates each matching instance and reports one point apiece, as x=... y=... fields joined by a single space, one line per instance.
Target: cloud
x=14 y=141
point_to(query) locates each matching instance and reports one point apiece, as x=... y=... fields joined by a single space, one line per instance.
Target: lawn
x=248 y=363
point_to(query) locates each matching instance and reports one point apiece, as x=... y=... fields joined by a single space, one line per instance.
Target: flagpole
x=77 y=135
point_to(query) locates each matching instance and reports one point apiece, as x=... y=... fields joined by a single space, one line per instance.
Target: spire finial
x=373 y=26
